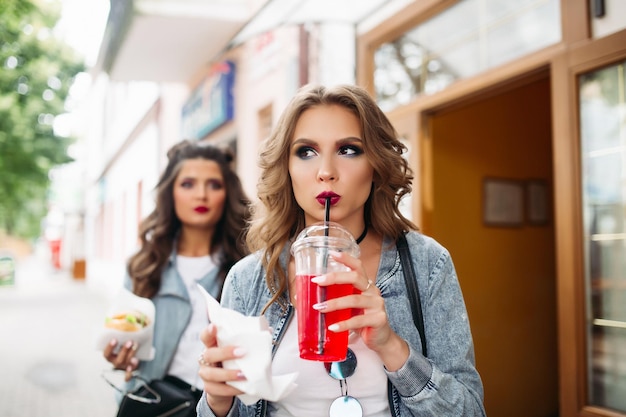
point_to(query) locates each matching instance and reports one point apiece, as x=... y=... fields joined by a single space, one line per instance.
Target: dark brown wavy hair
x=278 y=218
x=159 y=230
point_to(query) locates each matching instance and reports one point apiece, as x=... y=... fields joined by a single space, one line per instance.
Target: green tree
x=36 y=73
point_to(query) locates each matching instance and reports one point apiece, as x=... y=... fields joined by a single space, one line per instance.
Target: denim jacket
x=172 y=315
x=444 y=384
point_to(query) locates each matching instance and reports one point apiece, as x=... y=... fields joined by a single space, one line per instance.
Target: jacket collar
x=171 y=282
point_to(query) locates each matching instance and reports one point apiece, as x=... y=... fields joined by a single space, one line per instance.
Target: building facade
x=514 y=113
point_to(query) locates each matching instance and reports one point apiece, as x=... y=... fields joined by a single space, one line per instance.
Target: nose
x=326 y=170
x=202 y=192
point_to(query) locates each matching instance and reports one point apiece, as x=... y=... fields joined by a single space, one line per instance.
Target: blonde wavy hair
x=277 y=218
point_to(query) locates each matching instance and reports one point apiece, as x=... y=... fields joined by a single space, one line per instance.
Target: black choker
x=360 y=238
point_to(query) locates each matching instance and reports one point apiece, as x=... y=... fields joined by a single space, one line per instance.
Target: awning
x=276 y=13
x=167 y=40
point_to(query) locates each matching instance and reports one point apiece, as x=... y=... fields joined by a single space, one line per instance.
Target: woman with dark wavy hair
x=195 y=233
x=336 y=142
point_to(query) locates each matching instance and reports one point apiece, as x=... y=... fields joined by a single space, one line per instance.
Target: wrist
x=394 y=354
x=220 y=407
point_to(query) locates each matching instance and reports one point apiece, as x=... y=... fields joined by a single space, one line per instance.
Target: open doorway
x=506 y=267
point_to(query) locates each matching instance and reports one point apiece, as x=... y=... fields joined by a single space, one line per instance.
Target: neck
x=360 y=238
x=194 y=242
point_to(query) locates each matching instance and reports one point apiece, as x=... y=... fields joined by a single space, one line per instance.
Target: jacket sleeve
x=204 y=410
x=447 y=382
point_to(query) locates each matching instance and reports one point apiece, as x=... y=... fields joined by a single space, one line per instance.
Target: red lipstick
x=201 y=209
x=334 y=198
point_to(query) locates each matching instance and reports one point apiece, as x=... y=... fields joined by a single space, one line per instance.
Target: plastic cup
x=310 y=250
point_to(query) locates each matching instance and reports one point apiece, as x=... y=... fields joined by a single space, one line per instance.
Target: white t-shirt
x=185 y=364
x=316 y=390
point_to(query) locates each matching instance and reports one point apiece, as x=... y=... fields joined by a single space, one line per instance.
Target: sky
x=82 y=24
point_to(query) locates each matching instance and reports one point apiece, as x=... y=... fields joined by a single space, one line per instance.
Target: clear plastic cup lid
x=328 y=235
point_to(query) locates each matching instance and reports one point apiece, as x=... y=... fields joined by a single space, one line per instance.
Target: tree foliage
x=36 y=73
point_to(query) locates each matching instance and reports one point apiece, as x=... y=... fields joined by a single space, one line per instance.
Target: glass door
x=602 y=114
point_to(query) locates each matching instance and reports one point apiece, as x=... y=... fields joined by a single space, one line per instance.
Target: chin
x=199 y=224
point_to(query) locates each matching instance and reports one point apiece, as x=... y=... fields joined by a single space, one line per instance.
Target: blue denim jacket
x=444 y=384
x=172 y=315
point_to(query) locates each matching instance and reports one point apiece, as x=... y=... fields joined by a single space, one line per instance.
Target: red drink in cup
x=310 y=251
x=313 y=325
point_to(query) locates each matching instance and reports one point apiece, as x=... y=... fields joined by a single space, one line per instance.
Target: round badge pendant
x=344 y=369
x=346 y=406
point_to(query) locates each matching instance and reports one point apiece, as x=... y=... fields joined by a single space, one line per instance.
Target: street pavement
x=49 y=366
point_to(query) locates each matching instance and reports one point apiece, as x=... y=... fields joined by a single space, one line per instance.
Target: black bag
x=167 y=397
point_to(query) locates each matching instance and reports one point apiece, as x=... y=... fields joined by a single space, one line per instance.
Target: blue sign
x=211 y=103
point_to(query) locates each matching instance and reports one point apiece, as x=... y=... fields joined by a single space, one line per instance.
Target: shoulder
x=247 y=264
x=426 y=252
x=424 y=243
x=244 y=287
x=246 y=273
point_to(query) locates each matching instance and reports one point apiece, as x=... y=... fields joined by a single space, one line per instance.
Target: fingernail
x=334 y=253
x=134 y=362
x=320 y=306
x=128 y=344
x=239 y=351
x=135 y=346
x=113 y=342
x=241 y=376
x=333 y=327
x=319 y=279
x=129 y=368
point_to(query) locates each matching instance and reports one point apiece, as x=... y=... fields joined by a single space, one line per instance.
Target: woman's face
x=326 y=159
x=199 y=193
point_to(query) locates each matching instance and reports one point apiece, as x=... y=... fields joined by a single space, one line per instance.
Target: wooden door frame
x=407 y=125
x=580 y=58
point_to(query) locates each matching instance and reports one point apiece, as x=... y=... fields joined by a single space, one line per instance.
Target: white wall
x=613 y=21
x=134 y=125
x=266 y=75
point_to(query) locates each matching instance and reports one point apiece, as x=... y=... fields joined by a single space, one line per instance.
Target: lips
x=201 y=209
x=334 y=198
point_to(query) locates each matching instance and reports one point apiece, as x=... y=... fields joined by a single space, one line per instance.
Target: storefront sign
x=211 y=103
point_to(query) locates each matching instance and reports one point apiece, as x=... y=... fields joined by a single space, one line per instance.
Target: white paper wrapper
x=125 y=301
x=252 y=334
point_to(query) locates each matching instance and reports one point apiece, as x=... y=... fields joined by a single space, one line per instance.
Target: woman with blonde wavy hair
x=336 y=143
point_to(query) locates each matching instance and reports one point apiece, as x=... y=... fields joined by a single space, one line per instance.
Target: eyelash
x=215 y=185
x=357 y=150
x=305 y=152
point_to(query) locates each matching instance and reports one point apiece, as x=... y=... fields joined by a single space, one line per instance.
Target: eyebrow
x=342 y=141
x=195 y=178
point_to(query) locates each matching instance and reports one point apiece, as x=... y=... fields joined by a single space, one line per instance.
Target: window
x=464 y=40
x=603 y=144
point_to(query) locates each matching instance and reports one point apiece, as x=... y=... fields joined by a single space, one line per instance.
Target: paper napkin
x=252 y=334
x=127 y=301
